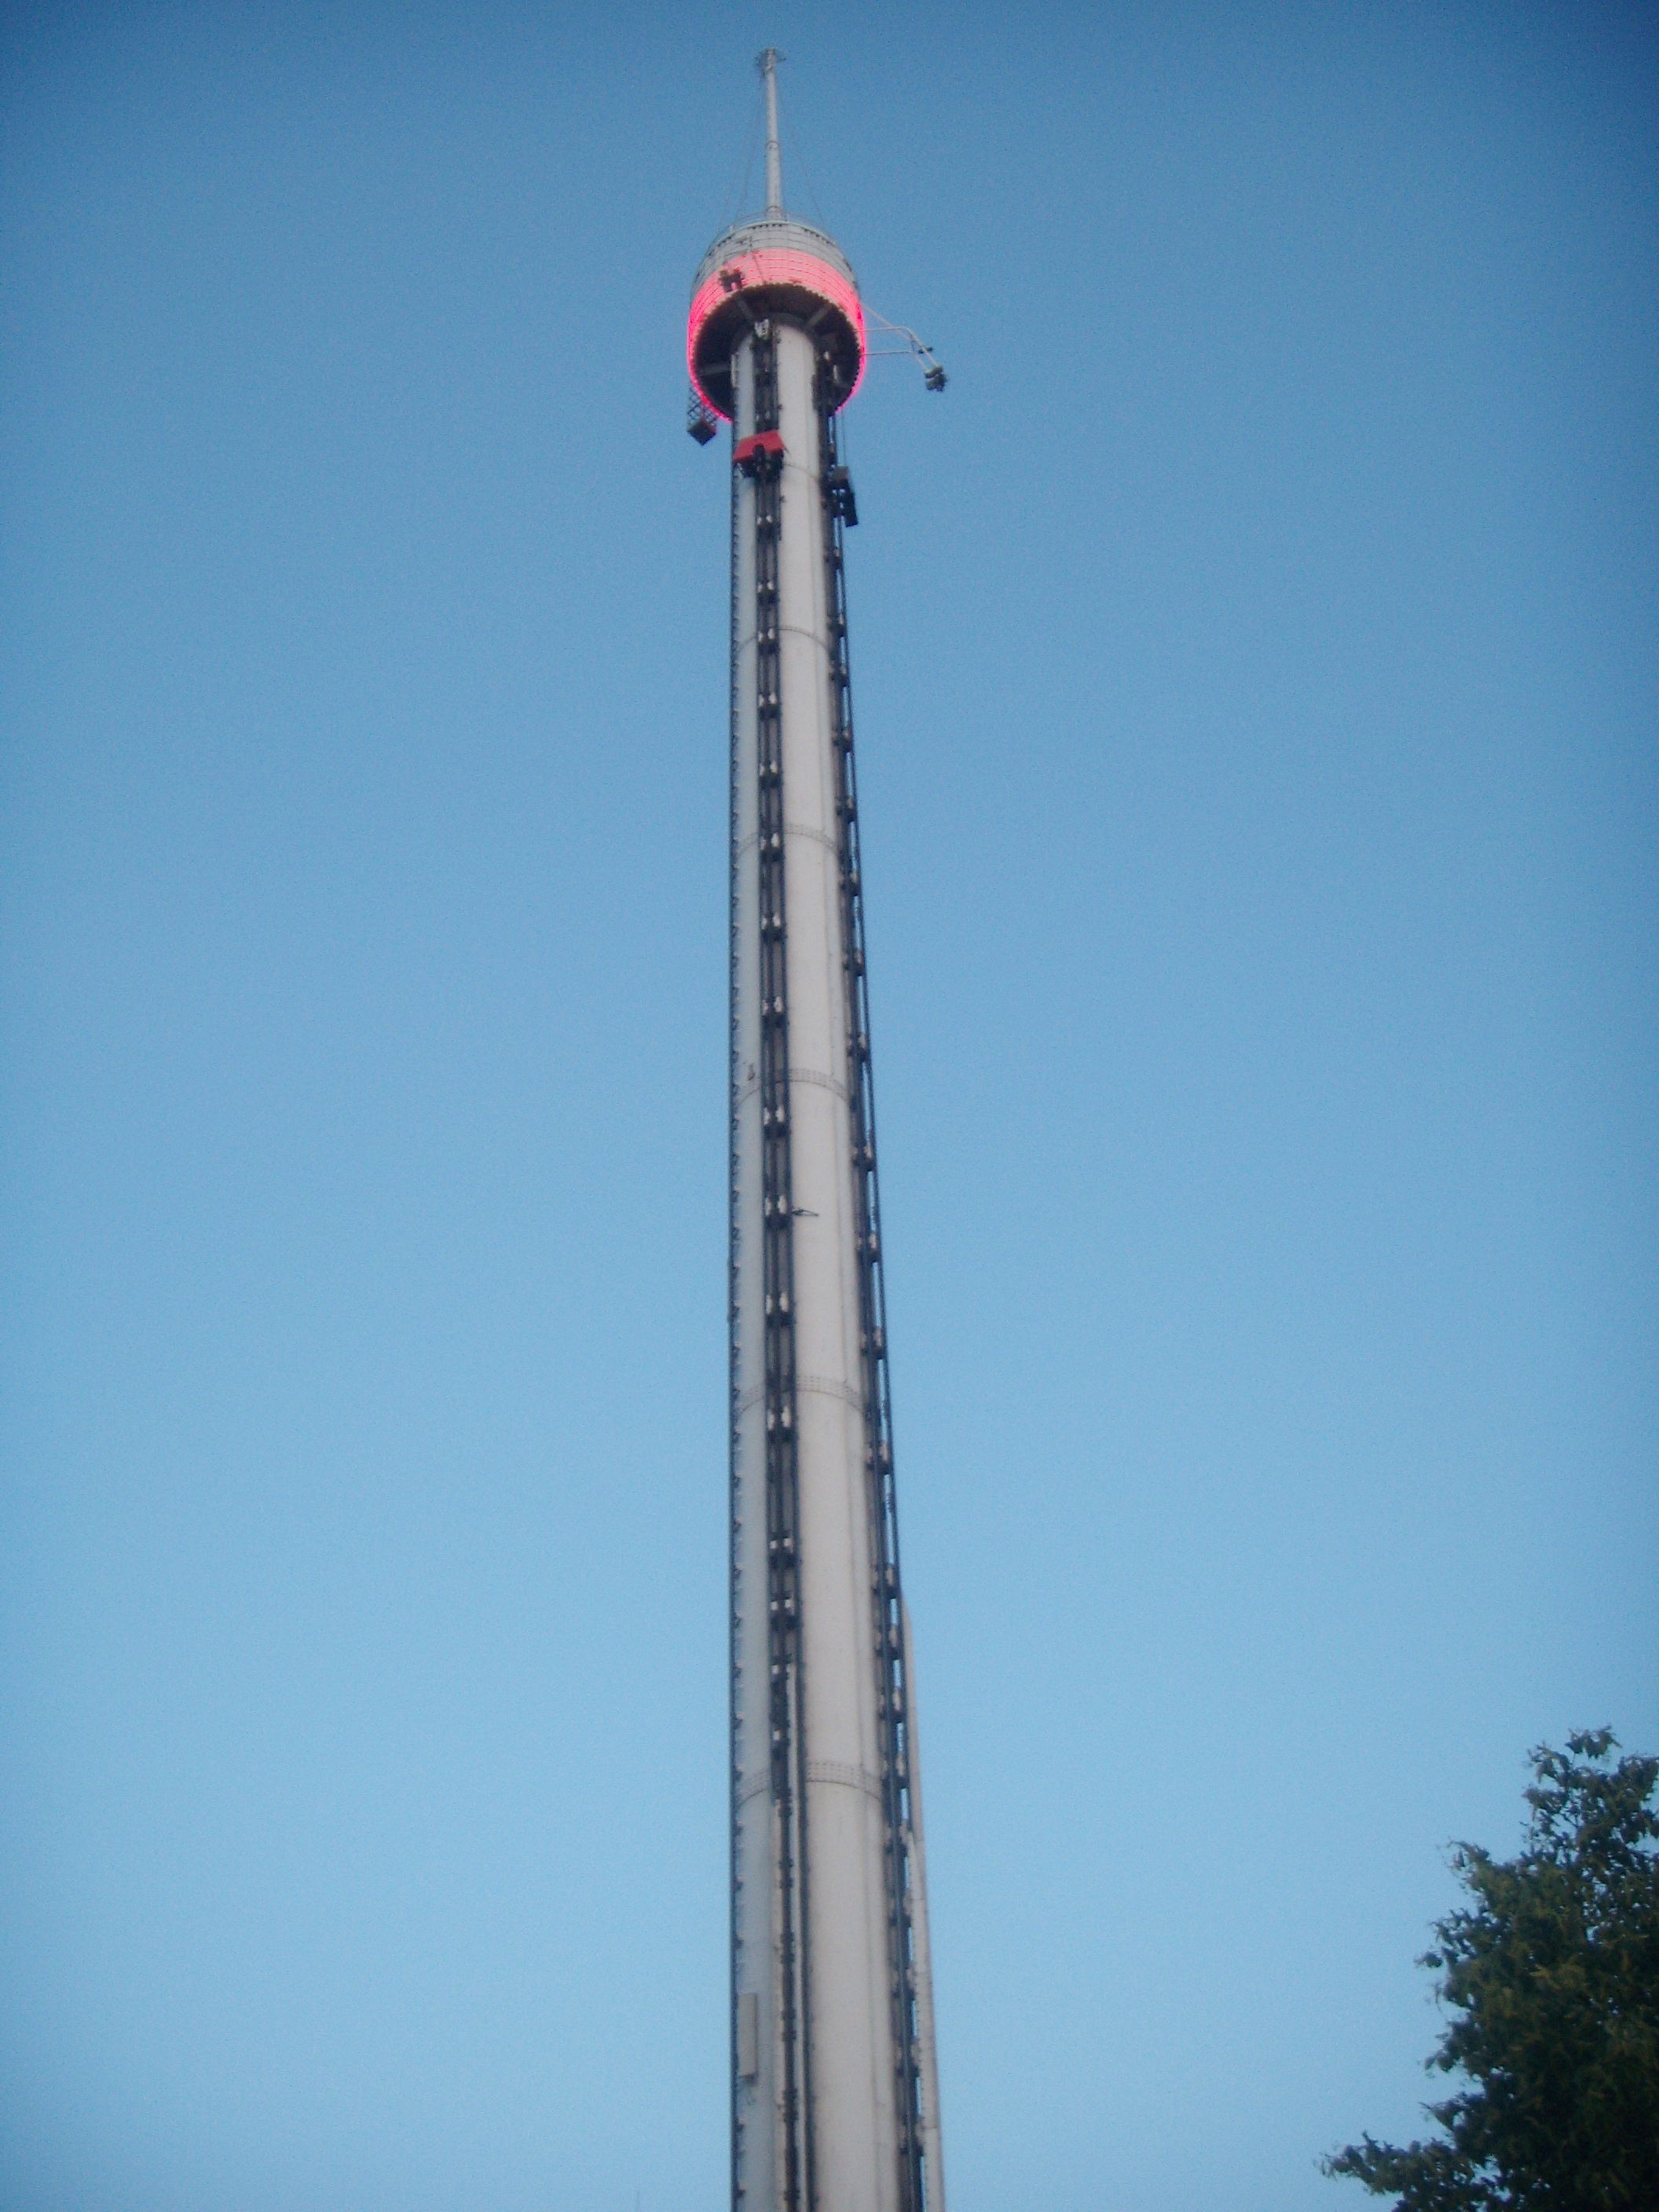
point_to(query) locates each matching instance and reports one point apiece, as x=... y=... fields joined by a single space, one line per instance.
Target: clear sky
x=1256 y=665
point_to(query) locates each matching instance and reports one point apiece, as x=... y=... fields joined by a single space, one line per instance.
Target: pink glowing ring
x=774 y=268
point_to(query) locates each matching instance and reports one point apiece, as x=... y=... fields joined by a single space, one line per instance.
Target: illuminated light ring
x=768 y=265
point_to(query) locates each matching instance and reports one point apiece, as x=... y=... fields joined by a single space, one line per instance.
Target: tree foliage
x=1550 y=1977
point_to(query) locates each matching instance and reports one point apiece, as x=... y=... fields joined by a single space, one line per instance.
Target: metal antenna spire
x=767 y=64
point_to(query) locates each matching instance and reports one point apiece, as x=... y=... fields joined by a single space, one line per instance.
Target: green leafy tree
x=1550 y=1977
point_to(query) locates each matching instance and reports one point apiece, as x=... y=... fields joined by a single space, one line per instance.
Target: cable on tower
x=932 y=369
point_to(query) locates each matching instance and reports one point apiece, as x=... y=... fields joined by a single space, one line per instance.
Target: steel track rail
x=886 y=1594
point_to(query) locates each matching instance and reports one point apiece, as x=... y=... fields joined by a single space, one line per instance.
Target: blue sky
x=1255 y=661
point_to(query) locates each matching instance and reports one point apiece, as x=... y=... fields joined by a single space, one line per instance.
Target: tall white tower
x=835 y=2104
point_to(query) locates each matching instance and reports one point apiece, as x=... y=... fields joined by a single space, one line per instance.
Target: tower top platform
x=772 y=263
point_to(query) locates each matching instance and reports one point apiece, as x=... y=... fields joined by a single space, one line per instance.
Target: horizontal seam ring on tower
x=801 y=1075
x=849 y=1777
x=797 y=829
x=821 y=1770
x=825 y=1385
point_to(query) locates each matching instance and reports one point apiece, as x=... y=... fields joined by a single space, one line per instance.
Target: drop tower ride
x=834 y=2093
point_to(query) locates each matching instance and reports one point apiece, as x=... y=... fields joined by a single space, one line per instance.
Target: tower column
x=826 y=1916
x=834 y=2086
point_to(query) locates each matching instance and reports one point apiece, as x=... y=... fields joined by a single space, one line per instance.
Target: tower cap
x=772 y=263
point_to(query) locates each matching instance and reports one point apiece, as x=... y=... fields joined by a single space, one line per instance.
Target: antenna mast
x=767 y=64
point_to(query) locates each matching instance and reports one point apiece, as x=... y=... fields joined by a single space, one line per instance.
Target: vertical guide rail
x=733 y=1313
x=786 y=1701
x=887 y=1597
